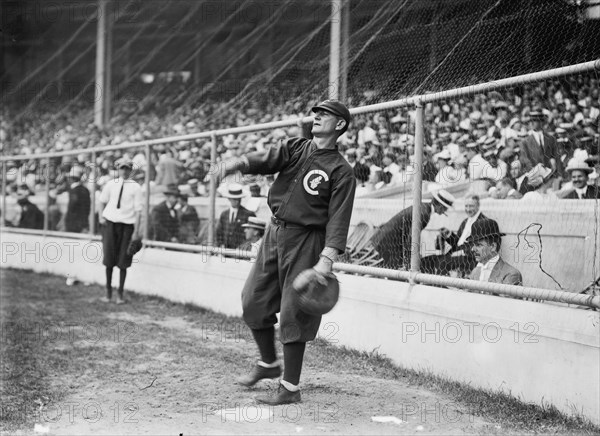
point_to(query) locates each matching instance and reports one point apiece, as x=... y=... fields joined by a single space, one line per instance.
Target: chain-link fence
x=515 y=151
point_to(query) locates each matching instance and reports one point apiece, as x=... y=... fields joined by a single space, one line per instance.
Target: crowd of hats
x=568 y=108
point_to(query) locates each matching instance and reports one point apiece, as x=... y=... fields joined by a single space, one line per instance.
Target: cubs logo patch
x=313 y=179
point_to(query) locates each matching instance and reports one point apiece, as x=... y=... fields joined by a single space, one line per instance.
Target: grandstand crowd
x=531 y=141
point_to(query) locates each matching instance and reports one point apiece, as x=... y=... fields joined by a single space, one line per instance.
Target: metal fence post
x=47 y=214
x=213 y=190
x=147 y=203
x=415 y=257
x=92 y=218
x=4 y=193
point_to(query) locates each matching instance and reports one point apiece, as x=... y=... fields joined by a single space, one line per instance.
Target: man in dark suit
x=459 y=257
x=539 y=147
x=189 y=222
x=393 y=239
x=30 y=217
x=230 y=233
x=165 y=225
x=580 y=172
x=486 y=240
x=78 y=209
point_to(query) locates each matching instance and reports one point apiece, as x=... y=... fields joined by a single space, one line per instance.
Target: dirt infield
x=73 y=365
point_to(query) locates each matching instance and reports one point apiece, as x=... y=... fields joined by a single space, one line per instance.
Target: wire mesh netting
x=181 y=67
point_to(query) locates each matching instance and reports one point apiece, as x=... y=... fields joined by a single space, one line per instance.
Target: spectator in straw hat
x=486 y=240
x=393 y=239
x=254 y=231
x=78 y=209
x=230 y=233
x=580 y=172
x=495 y=169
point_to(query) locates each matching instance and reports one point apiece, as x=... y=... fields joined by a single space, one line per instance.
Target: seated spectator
x=459 y=257
x=539 y=147
x=506 y=189
x=391 y=168
x=254 y=231
x=29 y=215
x=476 y=161
x=448 y=173
x=189 y=222
x=229 y=232
x=164 y=223
x=494 y=169
x=169 y=170
x=486 y=241
x=580 y=172
x=78 y=209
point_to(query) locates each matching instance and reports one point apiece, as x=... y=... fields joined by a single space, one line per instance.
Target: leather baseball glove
x=134 y=246
x=317 y=293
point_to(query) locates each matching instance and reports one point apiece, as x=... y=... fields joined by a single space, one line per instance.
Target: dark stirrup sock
x=265 y=339
x=122 y=277
x=293 y=355
x=109 y=272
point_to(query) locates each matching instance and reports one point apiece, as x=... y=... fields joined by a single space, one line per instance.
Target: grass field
x=73 y=365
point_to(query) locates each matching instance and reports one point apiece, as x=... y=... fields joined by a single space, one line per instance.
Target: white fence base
x=534 y=351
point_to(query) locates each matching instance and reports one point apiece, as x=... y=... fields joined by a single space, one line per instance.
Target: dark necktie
x=120 y=195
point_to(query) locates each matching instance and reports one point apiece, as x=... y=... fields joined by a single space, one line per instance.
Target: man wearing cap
x=311 y=201
x=164 y=220
x=486 y=240
x=230 y=233
x=254 y=231
x=78 y=209
x=580 y=172
x=119 y=213
x=539 y=147
x=393 y=239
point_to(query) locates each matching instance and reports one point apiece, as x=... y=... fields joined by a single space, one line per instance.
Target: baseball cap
x=336 y=108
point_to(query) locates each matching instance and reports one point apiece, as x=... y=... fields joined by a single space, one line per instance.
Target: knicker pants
x=285 y=252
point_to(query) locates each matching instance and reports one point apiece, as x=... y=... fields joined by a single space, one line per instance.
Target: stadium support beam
x=334 y=49
x=213 y=191
x=107 y=94
x=101 y=30
x=345 y=50
x=415 y=253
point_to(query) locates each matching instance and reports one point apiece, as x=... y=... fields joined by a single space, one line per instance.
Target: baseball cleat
x=283 y=396
x=259 y=373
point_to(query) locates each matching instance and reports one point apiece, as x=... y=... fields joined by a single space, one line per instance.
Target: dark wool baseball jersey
x=314 y=188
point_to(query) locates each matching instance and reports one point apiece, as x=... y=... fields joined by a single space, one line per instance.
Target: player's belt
x=285 y=224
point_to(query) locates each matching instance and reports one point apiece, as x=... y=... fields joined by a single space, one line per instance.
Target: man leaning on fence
x=393 y=239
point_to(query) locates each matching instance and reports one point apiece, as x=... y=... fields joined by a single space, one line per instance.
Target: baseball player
x=311 y=201
x=120 y=211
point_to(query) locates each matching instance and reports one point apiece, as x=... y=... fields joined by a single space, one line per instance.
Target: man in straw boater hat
x=230 y=233
x=485 y=241
x=393 y=239
x=311 y=201
x=120 y=212
x=254 y=231
x=580 y=172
